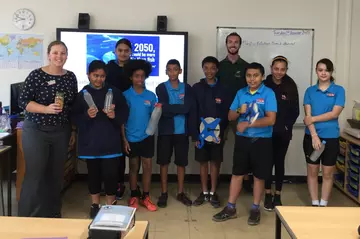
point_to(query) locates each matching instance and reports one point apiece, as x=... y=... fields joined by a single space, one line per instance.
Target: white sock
x=315 y=202
x=211 y=193
x=205 y=193
x=323 y=203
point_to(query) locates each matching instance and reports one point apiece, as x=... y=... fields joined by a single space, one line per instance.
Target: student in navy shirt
x=138 y=145
x=323 y=104
x=99 y=135
x=173 y=131
x=288 y=111
x=118 y=77
x=253 y=142
x=212 y=100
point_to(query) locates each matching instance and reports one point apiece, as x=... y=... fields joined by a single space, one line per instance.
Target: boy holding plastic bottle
x=99 y=133
x=139 y=146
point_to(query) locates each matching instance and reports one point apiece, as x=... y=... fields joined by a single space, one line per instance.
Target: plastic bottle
x=108 y=100
x=89 y=100
x=316 y=153
x=154 y=120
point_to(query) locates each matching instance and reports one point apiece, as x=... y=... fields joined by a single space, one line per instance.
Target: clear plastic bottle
x=89 y=100
x=317 y=153
x=108 y=100
x=154 y=120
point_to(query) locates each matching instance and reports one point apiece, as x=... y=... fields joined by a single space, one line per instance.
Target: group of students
x=223 y=95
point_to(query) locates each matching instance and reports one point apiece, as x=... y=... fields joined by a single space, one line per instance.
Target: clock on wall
x=24 y=19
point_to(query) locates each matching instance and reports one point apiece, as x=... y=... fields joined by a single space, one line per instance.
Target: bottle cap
x=324 y=142
x=109 y=89
x=84 y=90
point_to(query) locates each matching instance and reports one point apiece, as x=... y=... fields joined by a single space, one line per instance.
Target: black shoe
x=181 y=197
x=201 y=199
x=247 y=186
x=162 y=201
x=254 y=218
x=94 y=210
x=214 y=200
x=120 y=191
x=226 y=214
x=277 y=200
x=268 y=203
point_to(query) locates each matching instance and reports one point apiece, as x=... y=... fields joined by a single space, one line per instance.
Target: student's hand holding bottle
x=316 y=142
x=110 y=113
x=92 y=112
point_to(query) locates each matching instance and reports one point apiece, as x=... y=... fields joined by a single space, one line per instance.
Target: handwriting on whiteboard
x=268 y=43
x=291 y=32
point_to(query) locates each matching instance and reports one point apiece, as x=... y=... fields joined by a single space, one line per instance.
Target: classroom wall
x=337 y=33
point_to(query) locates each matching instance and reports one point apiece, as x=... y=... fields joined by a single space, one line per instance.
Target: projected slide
x=101 y=47
x=158 y=49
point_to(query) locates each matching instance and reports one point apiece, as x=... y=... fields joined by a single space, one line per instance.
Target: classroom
x=329 y=29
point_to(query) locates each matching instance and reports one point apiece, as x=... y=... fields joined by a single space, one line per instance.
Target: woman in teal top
x=323 y=104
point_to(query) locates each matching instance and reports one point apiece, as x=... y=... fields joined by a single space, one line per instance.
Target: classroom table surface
x=320 y=222
x=27 y=227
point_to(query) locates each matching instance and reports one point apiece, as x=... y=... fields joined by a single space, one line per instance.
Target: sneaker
x=214 y=200
x=277 y=200
x=201 y=199
x=162 y=201
x=134 y=202
x=268 y=203
x=247 y=186
x=94 y=209
x=120 y=191
x=226 y=214
x=254 y=218
x=181 y=197
x=146 y=202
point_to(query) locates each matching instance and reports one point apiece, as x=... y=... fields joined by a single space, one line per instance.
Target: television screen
x=85 y=46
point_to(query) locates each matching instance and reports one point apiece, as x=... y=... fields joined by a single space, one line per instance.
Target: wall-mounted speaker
x=84 y=21
x=161 y=23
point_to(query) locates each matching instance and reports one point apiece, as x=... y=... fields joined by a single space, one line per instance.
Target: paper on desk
x=3 y=135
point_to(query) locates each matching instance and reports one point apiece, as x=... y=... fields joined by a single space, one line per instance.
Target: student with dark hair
x=99 y=135
x=323 y=104
x=174 y=129
x=253 y=143
x=212 y=104
x=117 y=77
x=287 y=98
x=232 y=76
x=45 y=133
x=139 y=146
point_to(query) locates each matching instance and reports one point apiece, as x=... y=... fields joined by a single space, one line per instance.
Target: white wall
x=337 y=34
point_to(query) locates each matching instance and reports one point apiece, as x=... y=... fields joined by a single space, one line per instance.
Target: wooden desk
x=318 y=222
x=27 y=227
x=6 y=151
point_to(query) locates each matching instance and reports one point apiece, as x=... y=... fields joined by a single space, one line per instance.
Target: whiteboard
x=263 y=44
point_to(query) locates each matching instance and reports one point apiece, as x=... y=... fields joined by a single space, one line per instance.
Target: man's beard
x=231 y=53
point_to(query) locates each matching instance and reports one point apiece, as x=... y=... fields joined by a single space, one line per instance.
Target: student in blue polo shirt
x=173 y=131
x=323 y=104
x=99 y=135
x=138 y=145
x=253 y=142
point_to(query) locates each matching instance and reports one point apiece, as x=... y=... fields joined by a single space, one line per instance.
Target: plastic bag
x=356 y=110
x=5 y=124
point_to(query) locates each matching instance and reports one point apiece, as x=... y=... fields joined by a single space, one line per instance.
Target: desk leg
x=277 y=227
x=9 y=184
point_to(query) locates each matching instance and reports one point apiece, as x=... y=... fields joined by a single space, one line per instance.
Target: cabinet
x=347 y=175
x=69 y=167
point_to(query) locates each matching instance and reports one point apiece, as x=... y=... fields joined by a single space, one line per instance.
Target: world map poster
x=21 y=51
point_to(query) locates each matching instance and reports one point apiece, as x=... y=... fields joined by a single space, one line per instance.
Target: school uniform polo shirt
x=176 y=96
x=141 y=107
x=266 y=101
x=322 y=102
